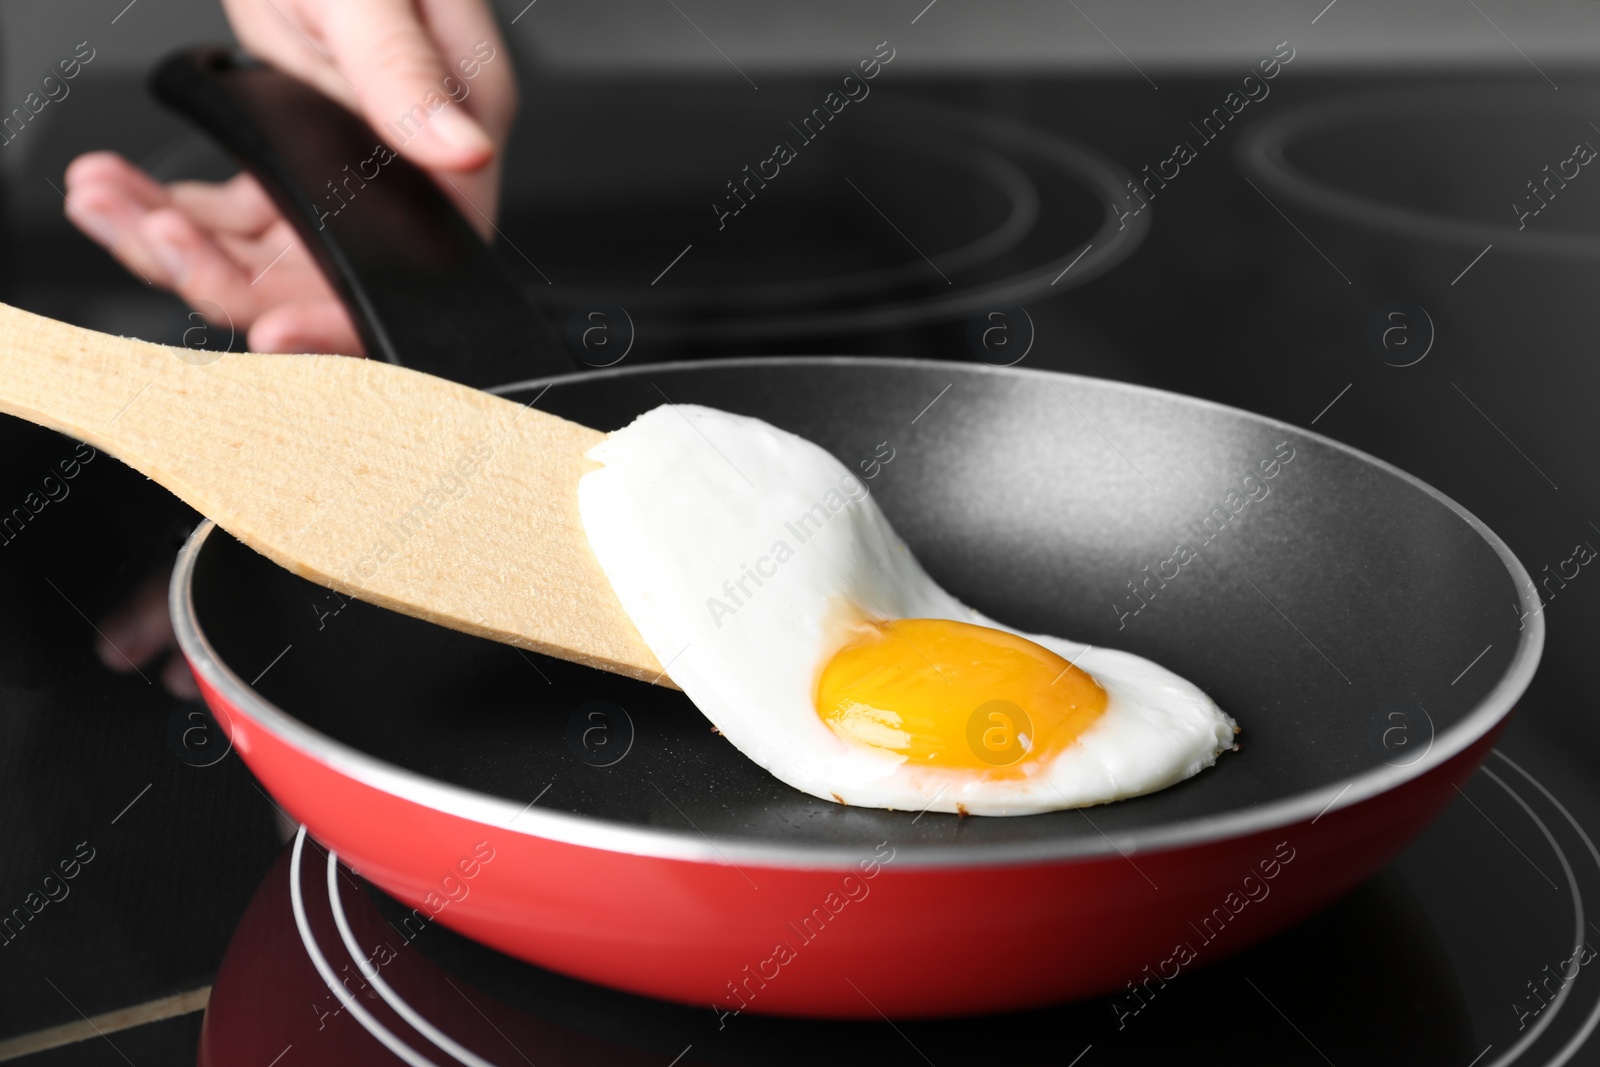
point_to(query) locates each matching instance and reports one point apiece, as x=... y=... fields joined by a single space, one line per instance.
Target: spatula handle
x=410 y=492
x=72 y=380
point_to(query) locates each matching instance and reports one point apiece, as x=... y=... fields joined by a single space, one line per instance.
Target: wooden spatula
x=395 y=487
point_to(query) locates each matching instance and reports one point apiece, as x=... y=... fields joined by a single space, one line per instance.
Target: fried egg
x=763 y=575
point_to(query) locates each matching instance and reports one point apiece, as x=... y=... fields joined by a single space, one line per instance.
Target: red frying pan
x=1368 y=633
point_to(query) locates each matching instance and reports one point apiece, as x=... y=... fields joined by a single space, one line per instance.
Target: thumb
x=403 y=86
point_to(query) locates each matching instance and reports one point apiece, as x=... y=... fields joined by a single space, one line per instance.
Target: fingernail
x=99 y=225
x=458 y=129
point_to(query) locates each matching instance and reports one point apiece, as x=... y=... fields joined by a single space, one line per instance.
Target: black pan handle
x=423 y=288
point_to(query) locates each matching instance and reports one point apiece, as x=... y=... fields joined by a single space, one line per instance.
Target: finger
x=108 y=168
x=285 y=37
x=399 y=75
x=191 y=264
x=478 y=59
x=179 y=679
x=131 y=636
x=311 y=326
x=105 y=198
x=107 y=215
x=278 y=264
x=238 y=206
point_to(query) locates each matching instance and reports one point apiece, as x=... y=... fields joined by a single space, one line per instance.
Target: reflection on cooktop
x=905 y=213
x=326 y=965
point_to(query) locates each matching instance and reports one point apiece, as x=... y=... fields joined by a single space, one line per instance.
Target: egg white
x=738 y=548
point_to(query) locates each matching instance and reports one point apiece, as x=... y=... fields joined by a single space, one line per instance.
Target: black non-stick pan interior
x=1349 y=618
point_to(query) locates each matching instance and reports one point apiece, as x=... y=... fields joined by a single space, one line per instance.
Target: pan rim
x=673 y=844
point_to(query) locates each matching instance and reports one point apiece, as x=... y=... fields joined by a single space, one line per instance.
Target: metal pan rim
x=588 y=832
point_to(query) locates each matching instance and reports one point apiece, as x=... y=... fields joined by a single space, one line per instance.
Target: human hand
x=433 y=79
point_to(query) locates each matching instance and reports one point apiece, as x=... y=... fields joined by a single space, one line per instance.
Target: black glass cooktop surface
x=1471 y=949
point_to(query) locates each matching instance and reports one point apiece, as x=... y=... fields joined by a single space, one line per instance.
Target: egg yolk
x=955 y=695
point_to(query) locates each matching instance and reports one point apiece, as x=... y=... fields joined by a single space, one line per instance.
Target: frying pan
x=1368 y=633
